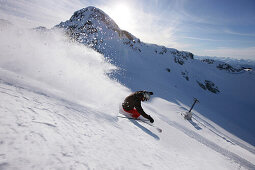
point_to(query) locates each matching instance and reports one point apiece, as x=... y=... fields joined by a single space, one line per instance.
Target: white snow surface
x=58 y=110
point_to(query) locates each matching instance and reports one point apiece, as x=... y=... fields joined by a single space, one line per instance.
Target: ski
x=144 y=121
x=125 y=117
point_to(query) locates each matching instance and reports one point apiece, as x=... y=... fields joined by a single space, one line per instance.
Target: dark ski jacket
x=134 y=101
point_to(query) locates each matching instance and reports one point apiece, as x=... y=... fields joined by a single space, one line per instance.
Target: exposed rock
x=179 y=60
x=181 y=56
x=228 y=68
x=168 y=70
x=209 y=85
x=201 y=85
x=164 y=50
x=123 y=33
x=208 y=61
x=185 y=75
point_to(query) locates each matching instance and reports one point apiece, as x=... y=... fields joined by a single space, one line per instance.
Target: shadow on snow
x=145 y=129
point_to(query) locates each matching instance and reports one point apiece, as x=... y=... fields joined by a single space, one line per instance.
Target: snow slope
x=58 y=110
x=42 y=132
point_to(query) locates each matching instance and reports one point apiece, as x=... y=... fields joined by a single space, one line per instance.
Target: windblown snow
x=59 y=107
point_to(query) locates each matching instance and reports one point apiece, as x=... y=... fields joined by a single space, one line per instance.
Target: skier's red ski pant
x=134 y=113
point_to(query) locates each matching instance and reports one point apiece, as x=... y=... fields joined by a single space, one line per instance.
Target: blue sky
x=223 y=28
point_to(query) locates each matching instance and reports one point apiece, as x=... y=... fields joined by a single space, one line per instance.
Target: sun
x=122 y=15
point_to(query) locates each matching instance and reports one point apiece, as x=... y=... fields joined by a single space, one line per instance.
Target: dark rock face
x=223 y=66
x=185 y=75
x=163 y=51
x=208 y=61
x=228 y=68
x=209 y=85
x=201 y=85
x=168 y=70
x=182 y=56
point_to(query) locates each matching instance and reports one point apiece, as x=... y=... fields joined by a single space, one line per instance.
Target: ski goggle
x=146 y=96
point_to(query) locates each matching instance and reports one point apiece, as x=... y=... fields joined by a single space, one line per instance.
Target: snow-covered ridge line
x=85 y=26
x=92 y=23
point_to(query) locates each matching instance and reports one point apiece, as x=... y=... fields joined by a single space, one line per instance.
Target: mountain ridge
x=80 y=23
x=85 y=26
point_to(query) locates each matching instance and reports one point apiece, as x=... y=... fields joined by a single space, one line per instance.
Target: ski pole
x=195 y=101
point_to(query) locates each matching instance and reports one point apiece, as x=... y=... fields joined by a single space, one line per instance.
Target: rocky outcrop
x=228 y=67
x=209 y=85
x=185 y=75
x=181 y=56
x=208 y=61
x=223 y=66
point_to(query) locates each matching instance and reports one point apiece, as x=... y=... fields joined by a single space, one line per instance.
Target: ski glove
x=150 y=118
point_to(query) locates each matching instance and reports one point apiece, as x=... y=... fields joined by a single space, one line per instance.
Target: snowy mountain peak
x=93 y=27
x=90 y=13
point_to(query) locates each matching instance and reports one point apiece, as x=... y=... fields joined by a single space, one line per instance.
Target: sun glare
x=122 y=15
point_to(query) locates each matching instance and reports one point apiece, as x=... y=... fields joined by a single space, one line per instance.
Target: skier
x=132 y=104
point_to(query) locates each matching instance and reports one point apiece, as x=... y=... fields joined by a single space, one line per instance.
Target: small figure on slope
x=132 y=104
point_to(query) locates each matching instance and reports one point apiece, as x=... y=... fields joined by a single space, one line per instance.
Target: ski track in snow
x=218 y=133
x=28 y=117
x=210 y=144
